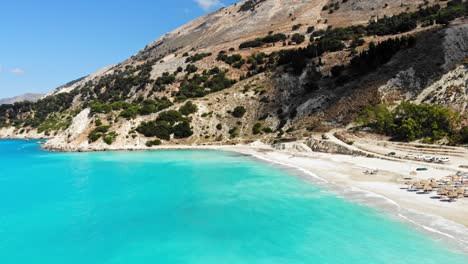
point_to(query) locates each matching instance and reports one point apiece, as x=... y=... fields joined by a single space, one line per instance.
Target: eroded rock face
x=450 y=91
x=330 y=147
x=442 y=79
x=293 y=146
x=13 y=133
x=431 y=72
x=455 y=45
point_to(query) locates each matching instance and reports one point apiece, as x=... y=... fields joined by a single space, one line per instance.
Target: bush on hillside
x=188 y=108
x=170 y=116
x=159 y=129
x=298 y=38
x=239 y=111
x=409 y=121
x=183 y=130
x=151 y=143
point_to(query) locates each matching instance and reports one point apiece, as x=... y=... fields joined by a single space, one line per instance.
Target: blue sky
x=47 y=43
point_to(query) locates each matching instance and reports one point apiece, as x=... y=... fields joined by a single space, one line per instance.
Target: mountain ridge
x=31 y=97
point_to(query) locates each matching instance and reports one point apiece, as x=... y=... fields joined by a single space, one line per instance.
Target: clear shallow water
x=186 y=207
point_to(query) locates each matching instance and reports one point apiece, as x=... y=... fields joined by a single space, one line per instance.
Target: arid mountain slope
x=267 y=69
x=31 y=97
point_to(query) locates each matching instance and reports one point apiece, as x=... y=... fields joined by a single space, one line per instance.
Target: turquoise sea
x=186 y=207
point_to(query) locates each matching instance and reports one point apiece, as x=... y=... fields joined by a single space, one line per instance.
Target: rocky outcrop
x=450 y=91
x=292 y=146
x=331 y=147
x=14 y=133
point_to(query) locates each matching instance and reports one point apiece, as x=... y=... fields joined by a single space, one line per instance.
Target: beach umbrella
x=427 y=188
x=434 y=184
x=442 y=192
x=453 y=195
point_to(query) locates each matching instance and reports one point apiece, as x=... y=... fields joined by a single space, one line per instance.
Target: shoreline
x=343 y=175
x=349 y=183
x=378 y=194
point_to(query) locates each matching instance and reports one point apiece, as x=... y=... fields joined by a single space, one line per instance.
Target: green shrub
x=379 y=54
x=188 y=108
x=160 y=129
x=262 y=41
x=239 y=111
x=191 y=68
x=183 y=130
x=153 y=106
x=357 y=42
x=94 y=137
x=197 y=57
x=296 y=27
x=170 y=116
x=234 y=132
x=151 y=143
x=274 y=38
x=97 y=133
x=257 y=129
x=251 y=44
x=201 y=85
x=410 y=121
x=165 y=79
x=249 y=5
x=229 y=59
x=101 y=129
x=110 y=138
x=130 y=113
x=168 y=123
x=100 y=108
x=392 y=25
x=298 y=38
x=119 y=105
x=464 y=134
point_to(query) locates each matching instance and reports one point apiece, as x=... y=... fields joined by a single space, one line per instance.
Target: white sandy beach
x=346 y=175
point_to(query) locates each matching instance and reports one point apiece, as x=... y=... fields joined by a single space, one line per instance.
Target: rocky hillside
x=274 y=70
